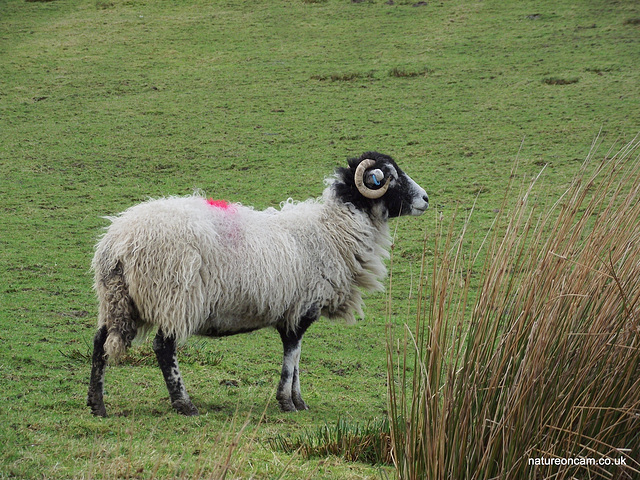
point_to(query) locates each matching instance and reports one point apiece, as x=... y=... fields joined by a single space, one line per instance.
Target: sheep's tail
x=118 y=312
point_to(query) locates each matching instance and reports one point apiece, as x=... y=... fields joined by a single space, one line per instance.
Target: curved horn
x=362 y=188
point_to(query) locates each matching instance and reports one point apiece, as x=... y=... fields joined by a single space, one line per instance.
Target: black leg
x=288 y=394
x=165 y=349
x=96 y=382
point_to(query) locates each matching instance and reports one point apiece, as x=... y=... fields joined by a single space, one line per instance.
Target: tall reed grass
x=538 y=374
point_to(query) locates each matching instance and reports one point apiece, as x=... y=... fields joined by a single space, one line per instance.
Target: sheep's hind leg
x=96 y=383
x=165 y=349
x=288 y=394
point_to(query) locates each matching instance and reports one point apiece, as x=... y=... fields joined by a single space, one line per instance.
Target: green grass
x=104 y=104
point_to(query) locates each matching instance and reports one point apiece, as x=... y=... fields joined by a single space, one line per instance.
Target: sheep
x=191 y=266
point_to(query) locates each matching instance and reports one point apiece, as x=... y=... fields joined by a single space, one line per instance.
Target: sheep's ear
x=373 y=178
x=364 y=170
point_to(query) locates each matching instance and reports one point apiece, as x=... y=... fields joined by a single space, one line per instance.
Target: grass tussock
x=400 y=72
x=344 y=77
x=547 y=368
x=368 y=443
x=560 y=81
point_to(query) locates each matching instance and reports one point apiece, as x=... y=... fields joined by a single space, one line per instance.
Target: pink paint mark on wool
x=219 y=204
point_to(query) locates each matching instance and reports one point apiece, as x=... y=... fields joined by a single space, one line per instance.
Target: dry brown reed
x=539 y=376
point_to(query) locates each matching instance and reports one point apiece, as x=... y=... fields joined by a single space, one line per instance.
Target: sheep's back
x=189 y=264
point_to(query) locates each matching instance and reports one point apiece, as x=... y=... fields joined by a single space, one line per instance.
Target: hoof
x=300 y=404
x=287 y=406
x=185 y=408
x=98 y=410
x=294 y=405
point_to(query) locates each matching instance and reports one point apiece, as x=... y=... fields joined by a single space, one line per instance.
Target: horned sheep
x=192 y=266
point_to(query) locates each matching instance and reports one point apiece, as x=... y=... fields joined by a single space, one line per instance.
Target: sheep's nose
x=425 y=197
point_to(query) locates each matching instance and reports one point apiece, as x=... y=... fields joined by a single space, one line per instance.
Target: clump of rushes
x=400 y=72
x=366 y=443
x=539 y=377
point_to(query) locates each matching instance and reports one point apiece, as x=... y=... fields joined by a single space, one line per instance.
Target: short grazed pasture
x=106 y=103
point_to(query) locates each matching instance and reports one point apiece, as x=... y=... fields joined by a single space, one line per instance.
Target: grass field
x=106 y=103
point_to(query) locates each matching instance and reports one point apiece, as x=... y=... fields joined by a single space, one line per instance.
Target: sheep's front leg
x=165 y=349
x=96 y=383
x=288 y=394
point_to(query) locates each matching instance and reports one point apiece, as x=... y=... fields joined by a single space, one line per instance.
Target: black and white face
x=380 y=186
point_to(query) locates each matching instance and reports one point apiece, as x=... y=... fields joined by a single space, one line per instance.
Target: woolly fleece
x=193 y=266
